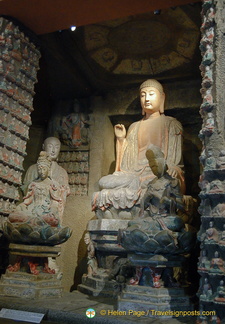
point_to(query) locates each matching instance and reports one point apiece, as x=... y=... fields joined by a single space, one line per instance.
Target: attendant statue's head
x=44 y=165
x=87 y=238
x=156 y=160
x=152 y=97
x=52 y=147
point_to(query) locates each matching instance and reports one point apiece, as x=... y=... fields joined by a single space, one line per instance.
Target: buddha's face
x=52 y=147
x=151 y=100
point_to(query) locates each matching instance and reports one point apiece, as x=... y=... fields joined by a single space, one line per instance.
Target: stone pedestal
x=156 y=291
x=30 y=276
x=99 y=285
x=103 y=233
x=153 y=300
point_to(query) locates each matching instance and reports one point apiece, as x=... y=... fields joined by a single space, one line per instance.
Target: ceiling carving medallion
x=144 y=44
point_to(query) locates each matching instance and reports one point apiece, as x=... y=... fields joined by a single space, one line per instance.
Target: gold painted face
x=151 y=100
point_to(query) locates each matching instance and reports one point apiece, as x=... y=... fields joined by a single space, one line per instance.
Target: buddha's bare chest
x=148 y=134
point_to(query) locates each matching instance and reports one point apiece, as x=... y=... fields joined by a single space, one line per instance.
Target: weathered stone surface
x=26 y=285
x=35 y=250
x=99 y=287
x=139 y=298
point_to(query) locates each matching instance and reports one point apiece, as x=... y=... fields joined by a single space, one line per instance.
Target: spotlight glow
x=73 y=28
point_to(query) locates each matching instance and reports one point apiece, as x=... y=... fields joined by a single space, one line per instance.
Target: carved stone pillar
x=212 y=181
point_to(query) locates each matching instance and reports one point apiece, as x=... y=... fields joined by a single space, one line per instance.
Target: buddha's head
x=152 y=97
x=52 y=147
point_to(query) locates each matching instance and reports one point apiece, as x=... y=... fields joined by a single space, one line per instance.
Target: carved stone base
x=25 y=285
x=104 y=233
x=99 y=286
x=153 y=300
x=30 y=275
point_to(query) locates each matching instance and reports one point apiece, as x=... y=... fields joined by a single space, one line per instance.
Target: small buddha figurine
x=204 y=263
x=211 y=234
x=206 y=290
x=217 y=264
x=220 y=293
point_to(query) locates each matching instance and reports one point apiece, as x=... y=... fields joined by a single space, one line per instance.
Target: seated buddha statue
x=124 y=189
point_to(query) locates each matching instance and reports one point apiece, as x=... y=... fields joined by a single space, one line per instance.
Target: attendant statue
x=92 y=261
x=160 y=230
x=126 y=186
x=57 y=173
x=37 y=220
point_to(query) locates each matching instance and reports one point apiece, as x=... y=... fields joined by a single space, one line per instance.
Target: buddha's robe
x=125 y=187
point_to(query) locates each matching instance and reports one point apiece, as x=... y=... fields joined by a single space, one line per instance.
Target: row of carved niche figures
x=12 y=142
x=10 y=175
x=20 y=49
x=212 y=207
x=6 y=206
x=211 y=261
x=215 y=187
x=13 y=71
x=18 y=75
x=78 y=178
x=212 y=163
x=75 y=167
x=8 y=191
x=206 y=67
x=8 y=105
x=212 y=290
x=9 y=30
x=14 y=126
x=74 y=156
x=23 y=97
x=212 y=232
x=78 y=190
x=12 y=159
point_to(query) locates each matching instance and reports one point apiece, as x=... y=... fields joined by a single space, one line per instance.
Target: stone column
x=211 y=264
